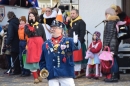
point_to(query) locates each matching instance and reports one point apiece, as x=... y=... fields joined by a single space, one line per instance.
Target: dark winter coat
x=12 y=35
x=110 y=34
x=79 y=27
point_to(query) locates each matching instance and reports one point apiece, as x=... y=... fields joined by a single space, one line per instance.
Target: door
x=126 y=6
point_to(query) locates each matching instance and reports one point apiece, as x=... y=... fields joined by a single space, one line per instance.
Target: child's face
x=94 y=36
x=22 y=22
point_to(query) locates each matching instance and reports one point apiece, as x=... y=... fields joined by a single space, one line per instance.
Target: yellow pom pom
x=113 y=6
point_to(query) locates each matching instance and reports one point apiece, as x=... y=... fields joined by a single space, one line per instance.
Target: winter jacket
x=21 y=34
x=79 y=27
x=110 y=34
x=12 y=35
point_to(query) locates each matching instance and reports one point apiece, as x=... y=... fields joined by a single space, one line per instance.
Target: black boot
x=118 y=76
x=114 y=78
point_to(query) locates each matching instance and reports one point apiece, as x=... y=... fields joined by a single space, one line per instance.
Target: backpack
x=106 y=61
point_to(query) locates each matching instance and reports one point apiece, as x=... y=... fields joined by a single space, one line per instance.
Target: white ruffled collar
x=54 y=14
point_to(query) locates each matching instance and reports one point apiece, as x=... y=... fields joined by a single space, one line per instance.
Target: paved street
x=16 y=80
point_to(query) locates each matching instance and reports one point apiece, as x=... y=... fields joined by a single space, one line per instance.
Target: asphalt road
x=16 y=80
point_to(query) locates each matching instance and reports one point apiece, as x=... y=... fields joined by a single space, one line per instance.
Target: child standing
x=92 y=70
x=22 y=45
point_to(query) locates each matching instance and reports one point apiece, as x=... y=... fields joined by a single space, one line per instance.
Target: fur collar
x=113 y=18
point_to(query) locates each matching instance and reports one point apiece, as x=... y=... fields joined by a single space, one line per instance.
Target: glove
x=75 y=38
x=33 y=3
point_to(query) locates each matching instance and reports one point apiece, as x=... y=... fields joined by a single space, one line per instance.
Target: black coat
x=48 y=20
x=12 y=35
x=110 y=35
x=79 y=27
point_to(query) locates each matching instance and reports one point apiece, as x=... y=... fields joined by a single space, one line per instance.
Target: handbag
x=89 y=55
x=106 y=60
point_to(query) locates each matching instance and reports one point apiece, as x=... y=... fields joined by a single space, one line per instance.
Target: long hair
x=34 y=15
x=11 y=15
x=118 y=10
x=34 y=10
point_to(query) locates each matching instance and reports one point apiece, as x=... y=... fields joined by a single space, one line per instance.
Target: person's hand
x=75 y=37
x=7 y=46
x=67 y=19
x=26 y=3
x=33 y=3
x=104 y=47
x=89 y=49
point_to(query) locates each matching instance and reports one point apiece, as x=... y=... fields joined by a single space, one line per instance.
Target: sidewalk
x=16 y=80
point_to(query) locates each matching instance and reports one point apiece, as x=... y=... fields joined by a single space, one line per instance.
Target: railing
x=86 y=37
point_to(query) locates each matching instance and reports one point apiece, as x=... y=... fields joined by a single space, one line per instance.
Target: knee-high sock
x=100 y=70
x=87 y=70
x=38 y=72
x=97 y=70
x=34 y=73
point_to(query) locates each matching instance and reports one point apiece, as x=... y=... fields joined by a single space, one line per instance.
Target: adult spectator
x=78 y=26
x=13 y=41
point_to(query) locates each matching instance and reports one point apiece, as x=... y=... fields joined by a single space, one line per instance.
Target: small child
x=22 y=45
x=92 y=70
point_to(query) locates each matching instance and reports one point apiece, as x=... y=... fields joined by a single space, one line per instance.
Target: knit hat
x=60 y=24
x=23 y=18
x=97 y=34
x=110 y=11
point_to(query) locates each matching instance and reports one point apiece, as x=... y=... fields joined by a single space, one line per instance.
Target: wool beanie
x=23 y=18
x=110 y=11
x=97 y=34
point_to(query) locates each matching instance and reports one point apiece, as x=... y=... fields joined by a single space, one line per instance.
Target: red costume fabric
x=34 y=49
x=96 y=50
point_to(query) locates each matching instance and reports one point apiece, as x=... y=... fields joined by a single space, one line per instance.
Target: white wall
x=93 y=12
x=19 y=11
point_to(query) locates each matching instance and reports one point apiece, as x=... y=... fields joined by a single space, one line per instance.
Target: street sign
x=74 y=2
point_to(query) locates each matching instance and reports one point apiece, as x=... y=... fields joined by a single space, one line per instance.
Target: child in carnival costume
x=92 y=70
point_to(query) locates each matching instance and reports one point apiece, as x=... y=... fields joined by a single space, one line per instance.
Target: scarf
x=21 y=26
x=72 y=21
x=31 y=28
x=56 y=40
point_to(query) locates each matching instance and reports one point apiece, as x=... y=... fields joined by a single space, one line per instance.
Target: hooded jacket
x=12 y=35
